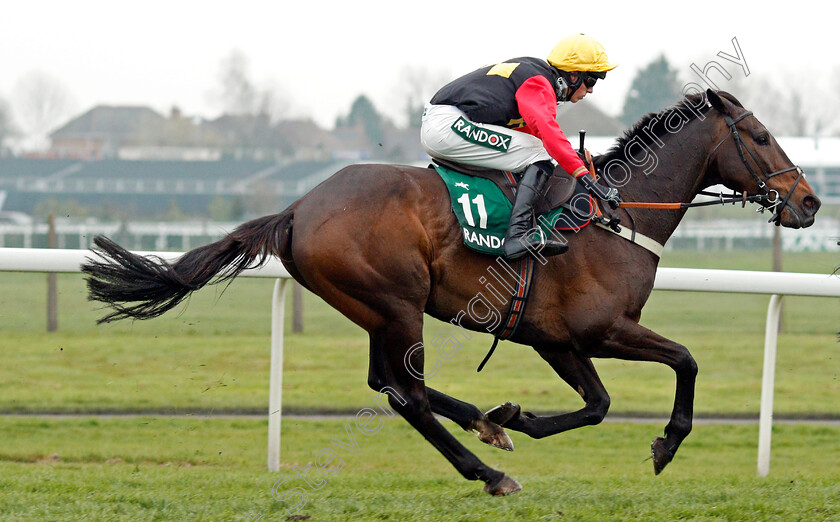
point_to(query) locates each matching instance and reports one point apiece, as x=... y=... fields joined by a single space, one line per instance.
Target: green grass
x=149 y=468
x=213 y=355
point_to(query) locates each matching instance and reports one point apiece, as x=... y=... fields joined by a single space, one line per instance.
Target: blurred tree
x=364 y=114
x=220 y=208
x=7 y=129
x=173 y=213
x=251 y=110
x=237 y=210
x=830 y=123
x=764 y=98
x=809 y=109
x=62 y=207
x=653 y=88
x=418 y=85
x=800 y=120
x=238 y=95
x=226 y=208
x=41 y=103
x=273 y=102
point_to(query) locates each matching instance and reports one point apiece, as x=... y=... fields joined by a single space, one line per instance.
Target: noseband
x=774 y=203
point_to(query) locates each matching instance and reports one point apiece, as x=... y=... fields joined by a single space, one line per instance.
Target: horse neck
x=678 y=176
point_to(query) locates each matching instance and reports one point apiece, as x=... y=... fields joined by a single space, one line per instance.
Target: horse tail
x=143 y=287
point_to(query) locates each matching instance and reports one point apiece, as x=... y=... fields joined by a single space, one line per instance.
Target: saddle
x=558 y=190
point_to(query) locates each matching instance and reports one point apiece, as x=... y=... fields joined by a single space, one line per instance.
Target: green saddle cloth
x=483 y=211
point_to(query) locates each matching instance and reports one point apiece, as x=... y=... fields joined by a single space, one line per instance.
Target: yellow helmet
x=579 y=52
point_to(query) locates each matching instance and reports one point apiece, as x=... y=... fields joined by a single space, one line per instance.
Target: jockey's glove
x=608 y=194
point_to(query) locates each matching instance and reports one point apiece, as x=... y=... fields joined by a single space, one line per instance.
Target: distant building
x=103 y=130
x=140 y=133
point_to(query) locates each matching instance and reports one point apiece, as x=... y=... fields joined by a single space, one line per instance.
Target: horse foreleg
x=580 y=374
x=469 y=418
x=407 y=394
x=633 y=342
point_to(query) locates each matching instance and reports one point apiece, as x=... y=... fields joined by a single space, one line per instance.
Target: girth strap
x=517 y=306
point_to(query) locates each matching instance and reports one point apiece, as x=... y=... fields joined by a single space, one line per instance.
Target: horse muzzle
x=799 y=215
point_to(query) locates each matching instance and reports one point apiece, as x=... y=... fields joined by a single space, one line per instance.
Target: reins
x=720 y=199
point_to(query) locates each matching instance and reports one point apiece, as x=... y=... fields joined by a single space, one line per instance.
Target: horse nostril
x=811 y=204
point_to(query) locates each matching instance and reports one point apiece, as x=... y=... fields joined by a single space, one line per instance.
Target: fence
x=159 y=236
x=776 y=284
x=746 y=234
x=717 y=234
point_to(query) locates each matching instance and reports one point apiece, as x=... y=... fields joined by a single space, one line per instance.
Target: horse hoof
x=503 y=413
x=661 y=455
x=503 y=486
x=492 y=434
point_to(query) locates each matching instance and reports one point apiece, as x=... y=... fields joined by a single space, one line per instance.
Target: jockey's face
x=582 y=91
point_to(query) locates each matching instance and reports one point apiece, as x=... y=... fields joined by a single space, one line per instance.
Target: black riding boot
x=517 y=241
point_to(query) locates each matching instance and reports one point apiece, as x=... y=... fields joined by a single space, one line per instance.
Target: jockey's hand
x=608 y=194
x=582 y=156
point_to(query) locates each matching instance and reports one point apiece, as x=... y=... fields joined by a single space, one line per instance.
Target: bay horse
x=381 y=245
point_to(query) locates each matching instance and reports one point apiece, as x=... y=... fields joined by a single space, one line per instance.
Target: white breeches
x=513 y=150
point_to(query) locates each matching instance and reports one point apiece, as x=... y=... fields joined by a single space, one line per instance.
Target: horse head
x=747 y=158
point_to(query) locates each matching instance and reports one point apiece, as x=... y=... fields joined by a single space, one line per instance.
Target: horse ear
x=716 y=101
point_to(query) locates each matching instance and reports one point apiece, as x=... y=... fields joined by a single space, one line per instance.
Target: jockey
x=521 y=95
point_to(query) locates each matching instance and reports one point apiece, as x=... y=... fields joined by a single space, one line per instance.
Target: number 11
x=464 y=200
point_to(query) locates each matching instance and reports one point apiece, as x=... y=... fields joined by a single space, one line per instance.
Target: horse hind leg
x=464 y=414
x=469 y=418
x=390 y=349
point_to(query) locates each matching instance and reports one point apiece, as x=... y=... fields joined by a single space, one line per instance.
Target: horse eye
x=762 y=139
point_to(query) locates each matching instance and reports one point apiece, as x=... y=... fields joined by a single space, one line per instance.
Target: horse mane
x=651 y=126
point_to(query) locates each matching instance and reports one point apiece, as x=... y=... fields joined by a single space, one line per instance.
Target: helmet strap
x=566 y=88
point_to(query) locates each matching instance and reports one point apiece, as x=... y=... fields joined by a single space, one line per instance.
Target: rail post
x=275 y=392
x=768 y=380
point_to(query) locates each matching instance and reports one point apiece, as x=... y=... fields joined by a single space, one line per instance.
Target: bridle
x=774 y=203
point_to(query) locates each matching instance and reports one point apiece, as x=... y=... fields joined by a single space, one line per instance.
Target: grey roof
x=117 y=123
